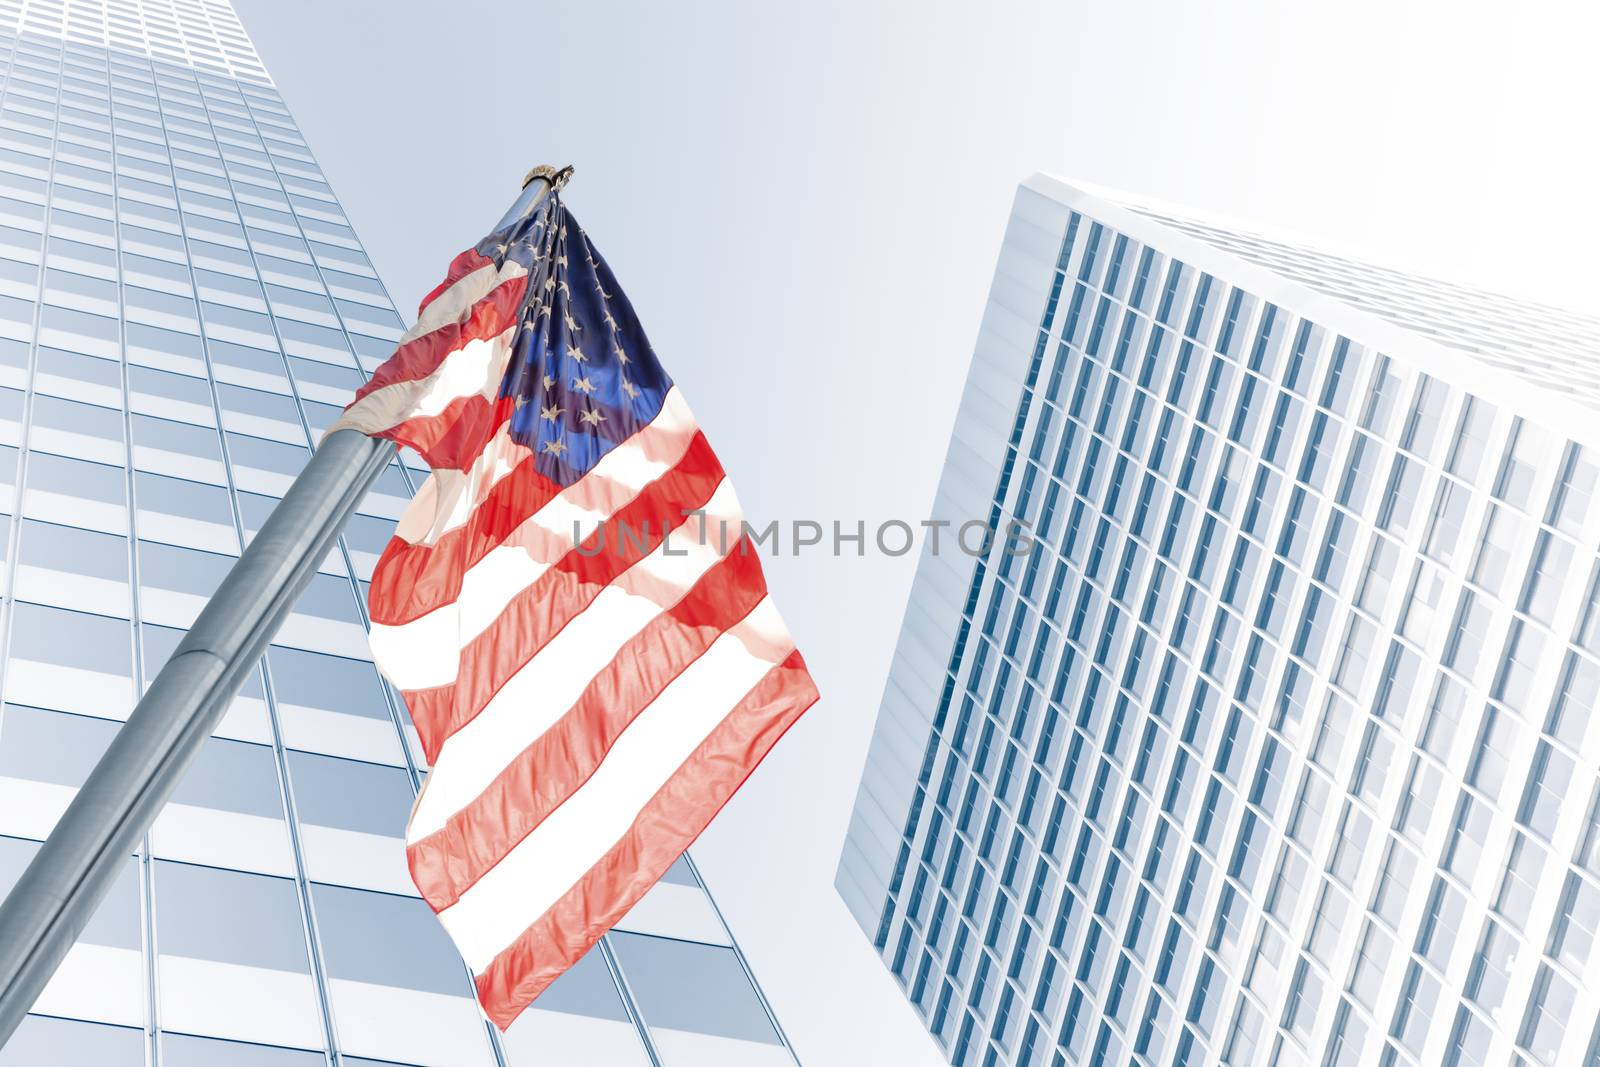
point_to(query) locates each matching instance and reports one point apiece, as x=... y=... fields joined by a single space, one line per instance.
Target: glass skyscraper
x=1273 y=743
x=183 y=307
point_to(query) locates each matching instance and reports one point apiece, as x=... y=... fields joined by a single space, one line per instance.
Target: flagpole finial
x=557 y=178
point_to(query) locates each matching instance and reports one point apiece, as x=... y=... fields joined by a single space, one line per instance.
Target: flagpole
x=71 y=873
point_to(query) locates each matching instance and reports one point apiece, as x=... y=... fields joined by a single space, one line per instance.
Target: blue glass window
x=42 y=1039
x=682 y=985
x=386 y=940
x=247 y=919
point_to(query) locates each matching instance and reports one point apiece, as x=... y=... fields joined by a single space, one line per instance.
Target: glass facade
x=183 y=308
x=1273 y=744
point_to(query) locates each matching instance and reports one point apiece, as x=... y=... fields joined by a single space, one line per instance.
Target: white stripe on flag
x=547 y=863
x=474 y=369
x=458 y=493
x=447 y=499
x=544 y=689
x=425 y=652
x=456 y=302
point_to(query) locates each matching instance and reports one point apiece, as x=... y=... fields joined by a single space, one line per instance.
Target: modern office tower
x=182 y=307
x=1272 y=744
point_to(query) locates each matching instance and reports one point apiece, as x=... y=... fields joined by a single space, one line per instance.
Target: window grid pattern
x=1552 y=346
x=183 y=309
x=202 y=34
x=1275 y=745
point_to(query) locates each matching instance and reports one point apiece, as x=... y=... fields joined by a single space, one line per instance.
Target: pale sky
x=805 y=201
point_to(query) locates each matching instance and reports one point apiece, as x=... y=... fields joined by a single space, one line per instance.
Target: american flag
x=588 y=697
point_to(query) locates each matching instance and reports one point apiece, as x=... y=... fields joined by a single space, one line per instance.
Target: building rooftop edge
x=188 y=61
x=1549 y=407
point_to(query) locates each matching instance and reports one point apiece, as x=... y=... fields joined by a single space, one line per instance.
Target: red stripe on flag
x=538 y=613
x=667 y=825
x=457 y=436
x=412 y=580
x=445 y=863
x=460 y=267
x=421 y=356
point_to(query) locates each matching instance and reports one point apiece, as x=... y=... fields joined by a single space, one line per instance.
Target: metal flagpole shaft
x=59 y=891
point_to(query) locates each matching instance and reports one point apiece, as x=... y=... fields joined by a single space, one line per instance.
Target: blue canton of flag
x=582 y=374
